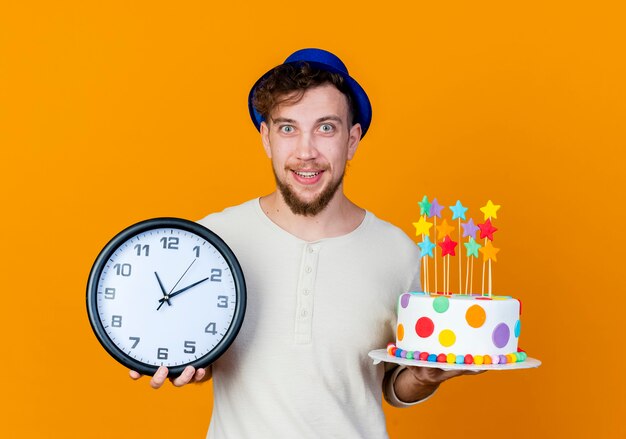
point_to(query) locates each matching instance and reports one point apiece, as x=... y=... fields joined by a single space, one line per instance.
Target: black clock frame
x=161 y=223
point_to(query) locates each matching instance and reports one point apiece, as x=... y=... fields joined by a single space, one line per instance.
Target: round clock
x=166 y=292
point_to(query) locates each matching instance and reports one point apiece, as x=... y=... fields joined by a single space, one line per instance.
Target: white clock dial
x=165 y=296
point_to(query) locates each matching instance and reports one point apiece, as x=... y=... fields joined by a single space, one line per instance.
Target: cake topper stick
x=487 y=230
x=471 y=246
x=482 y=290
x=435 y=211
x=472 y=276
x=489 y=253
x=424 y=275
x=467 y=268
x=423 y=227
x=489 y=277
x=460 y=256
x=447 y=249
x=448 y=278
x=458 y=212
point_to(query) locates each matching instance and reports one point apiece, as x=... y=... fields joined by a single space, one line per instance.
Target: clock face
x=166 y=292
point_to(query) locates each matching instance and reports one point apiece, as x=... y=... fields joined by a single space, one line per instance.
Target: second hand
x=181 y=278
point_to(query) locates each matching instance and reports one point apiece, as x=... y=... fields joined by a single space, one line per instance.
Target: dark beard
x=299 y=207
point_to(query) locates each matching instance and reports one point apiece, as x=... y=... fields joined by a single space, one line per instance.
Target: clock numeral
x=222 y=301
x=145 y=249
x=123 y=269
x=196 y=249
x=216 y=275
x=116 y=321
x=162 y=354
x=190 y=347
x=170 y=242
x=109 y=293
x=210 y=328
x=135 y=340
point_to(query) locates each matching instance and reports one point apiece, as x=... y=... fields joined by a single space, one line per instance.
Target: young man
x=323 y=275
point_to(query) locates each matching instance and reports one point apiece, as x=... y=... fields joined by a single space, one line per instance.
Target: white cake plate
x=379 y=355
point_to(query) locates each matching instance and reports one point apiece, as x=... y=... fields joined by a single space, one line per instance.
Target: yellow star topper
x=444 y=229
x=489 y=210
x=489 y=252
x=422 y=227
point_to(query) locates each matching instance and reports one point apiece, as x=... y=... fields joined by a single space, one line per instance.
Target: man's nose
x=306 y=148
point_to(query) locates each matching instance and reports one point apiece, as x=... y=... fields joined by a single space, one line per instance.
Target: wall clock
x=166 y=291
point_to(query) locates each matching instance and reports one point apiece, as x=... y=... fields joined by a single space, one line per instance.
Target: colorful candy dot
x=502 y=359
x=409 y=355
x=400 y=332
x=501 y=335
x=451 y=358
x=423 y=356
x=398 y=353
x=404 y=300
x=460 y=359
x=510 y=358
x=478 y=359
x=475 y=316
x=441 y=358
x=424 y=327
x=468 y=359
x=393 y=351
x=487 y=359
x=447 y=338
x=403 y=354
x=441 y=304
x=518 y=329
x=432 y=358
x=495 y=359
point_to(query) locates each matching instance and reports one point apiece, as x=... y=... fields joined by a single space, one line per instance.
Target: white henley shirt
x=299 y=367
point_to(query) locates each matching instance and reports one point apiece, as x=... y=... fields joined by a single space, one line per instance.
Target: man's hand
x=190 y=374
x=416 y=383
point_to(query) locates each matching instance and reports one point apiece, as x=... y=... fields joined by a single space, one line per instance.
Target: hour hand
x=182 y=290
x=165 y=296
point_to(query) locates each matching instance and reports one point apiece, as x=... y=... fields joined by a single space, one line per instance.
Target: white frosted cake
x=458 y=328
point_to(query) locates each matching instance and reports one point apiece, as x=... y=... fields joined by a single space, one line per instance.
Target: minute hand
x=182 y=290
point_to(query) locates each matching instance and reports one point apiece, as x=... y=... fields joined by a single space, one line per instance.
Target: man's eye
x=287 y=129
x=326 y=128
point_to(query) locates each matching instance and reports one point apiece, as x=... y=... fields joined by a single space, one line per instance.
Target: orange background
x=113 y=112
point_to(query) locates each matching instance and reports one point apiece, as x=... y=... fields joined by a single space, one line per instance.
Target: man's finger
x=134 y=374
x=159 y=377
x=184 y=377
x=200 y=373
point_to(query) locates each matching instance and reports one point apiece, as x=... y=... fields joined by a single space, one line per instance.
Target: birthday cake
x=462 y=327
x=459 y=328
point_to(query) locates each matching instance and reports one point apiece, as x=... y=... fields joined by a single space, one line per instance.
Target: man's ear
x=354 y=139
x=265 y=138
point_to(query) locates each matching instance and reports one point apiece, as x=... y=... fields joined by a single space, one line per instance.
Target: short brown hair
x=289 y=82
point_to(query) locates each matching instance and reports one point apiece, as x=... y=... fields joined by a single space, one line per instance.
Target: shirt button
x=311 y=250
x=303 y=313
x=306 y=292
x=307 y=269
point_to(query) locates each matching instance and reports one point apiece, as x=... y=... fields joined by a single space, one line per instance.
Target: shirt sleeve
x=390 y=393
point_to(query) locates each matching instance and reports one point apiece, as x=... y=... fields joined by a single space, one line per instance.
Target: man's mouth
x=307 y=174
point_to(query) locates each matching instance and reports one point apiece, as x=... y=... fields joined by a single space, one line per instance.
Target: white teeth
x=307 y=174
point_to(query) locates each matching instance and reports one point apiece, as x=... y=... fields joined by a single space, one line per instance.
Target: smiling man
x=323 y=275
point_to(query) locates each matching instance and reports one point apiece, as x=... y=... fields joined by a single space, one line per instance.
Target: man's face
x=309 y=143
